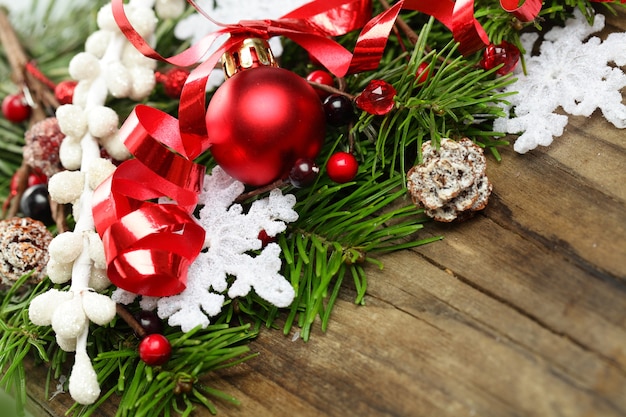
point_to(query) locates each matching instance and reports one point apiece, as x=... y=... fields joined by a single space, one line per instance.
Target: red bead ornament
x=503 y=53
x=423 y=70
x=342 y=167
x=64 y=91
x=15 y=108
x=377 y=98
x=155 y=349
x=261 y=120
x=321 y=77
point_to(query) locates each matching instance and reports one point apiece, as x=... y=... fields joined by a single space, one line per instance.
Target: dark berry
x=149 y=321
x=342 y=167
x=155 y=349
x=15 y=108
x=321 y=77
x=303 y=172
x=339 y=110
x=35 y=203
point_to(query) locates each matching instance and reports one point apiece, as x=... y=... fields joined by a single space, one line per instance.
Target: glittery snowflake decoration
x=568 y=73
x=233 y=261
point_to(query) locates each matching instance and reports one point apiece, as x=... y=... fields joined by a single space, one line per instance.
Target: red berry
x=342 y=167
x=155 y=349
x=423 y=70
x=64 y=91
x=265 y=238
x=321 y=77
x=15 y=109
x=304 y=172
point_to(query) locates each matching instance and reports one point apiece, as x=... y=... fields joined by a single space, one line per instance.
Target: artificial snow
x=233 y=261
x=570 y=73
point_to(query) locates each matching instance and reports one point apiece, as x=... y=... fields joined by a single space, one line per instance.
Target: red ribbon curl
x=149 y=247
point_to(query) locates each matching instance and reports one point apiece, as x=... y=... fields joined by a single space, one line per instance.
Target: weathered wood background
x=519 y=312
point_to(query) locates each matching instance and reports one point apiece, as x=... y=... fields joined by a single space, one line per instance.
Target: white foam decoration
x=66 y=247
x=571 y=72
x=229 y=255
x=66 y=186
x=88 y=125
x=59 y=273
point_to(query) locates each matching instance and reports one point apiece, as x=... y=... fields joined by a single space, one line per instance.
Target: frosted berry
x=35 y=203
x=304 y=172
x=339 y=110
x=321 y=77
x=173 y=81
x=423 y=70
x=342 y=167
x=155 y=349
x=377 y=98
x=15 y=108
x=504 y=53
x=149 y=321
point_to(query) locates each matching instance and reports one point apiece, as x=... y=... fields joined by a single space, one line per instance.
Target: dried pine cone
x=23 y=248
x=451 y=182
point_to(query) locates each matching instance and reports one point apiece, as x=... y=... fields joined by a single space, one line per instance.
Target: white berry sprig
x=109 y=67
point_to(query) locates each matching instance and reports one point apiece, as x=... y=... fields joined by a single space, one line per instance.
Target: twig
x=130 y=320
x=257 y=191
x=39 y=90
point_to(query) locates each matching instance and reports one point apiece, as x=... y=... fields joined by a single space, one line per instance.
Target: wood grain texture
x=520 y=311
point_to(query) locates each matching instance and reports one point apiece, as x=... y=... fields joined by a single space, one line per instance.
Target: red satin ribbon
x=150 y=246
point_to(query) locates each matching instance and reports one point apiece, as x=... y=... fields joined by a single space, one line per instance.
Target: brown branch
x=39 y=89
x=257 y=191
x=130 y=320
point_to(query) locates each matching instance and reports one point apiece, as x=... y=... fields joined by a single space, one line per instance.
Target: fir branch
x=19 y=338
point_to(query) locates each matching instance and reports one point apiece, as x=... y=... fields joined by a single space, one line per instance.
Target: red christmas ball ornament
x=15 y=108
x=64 y=91
x=504 y=53
x=155 y=349
x=342 y=167
x=261 y=120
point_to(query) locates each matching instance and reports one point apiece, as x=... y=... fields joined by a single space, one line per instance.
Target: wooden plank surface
x=520 y=311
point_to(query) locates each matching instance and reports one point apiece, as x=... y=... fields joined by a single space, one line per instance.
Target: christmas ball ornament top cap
x=250 y=53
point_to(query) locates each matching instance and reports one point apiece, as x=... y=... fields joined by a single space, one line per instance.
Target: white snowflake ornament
x=234 y=261
x=568 y=73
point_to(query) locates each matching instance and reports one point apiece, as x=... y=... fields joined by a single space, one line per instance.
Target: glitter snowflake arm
x=570 y=73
